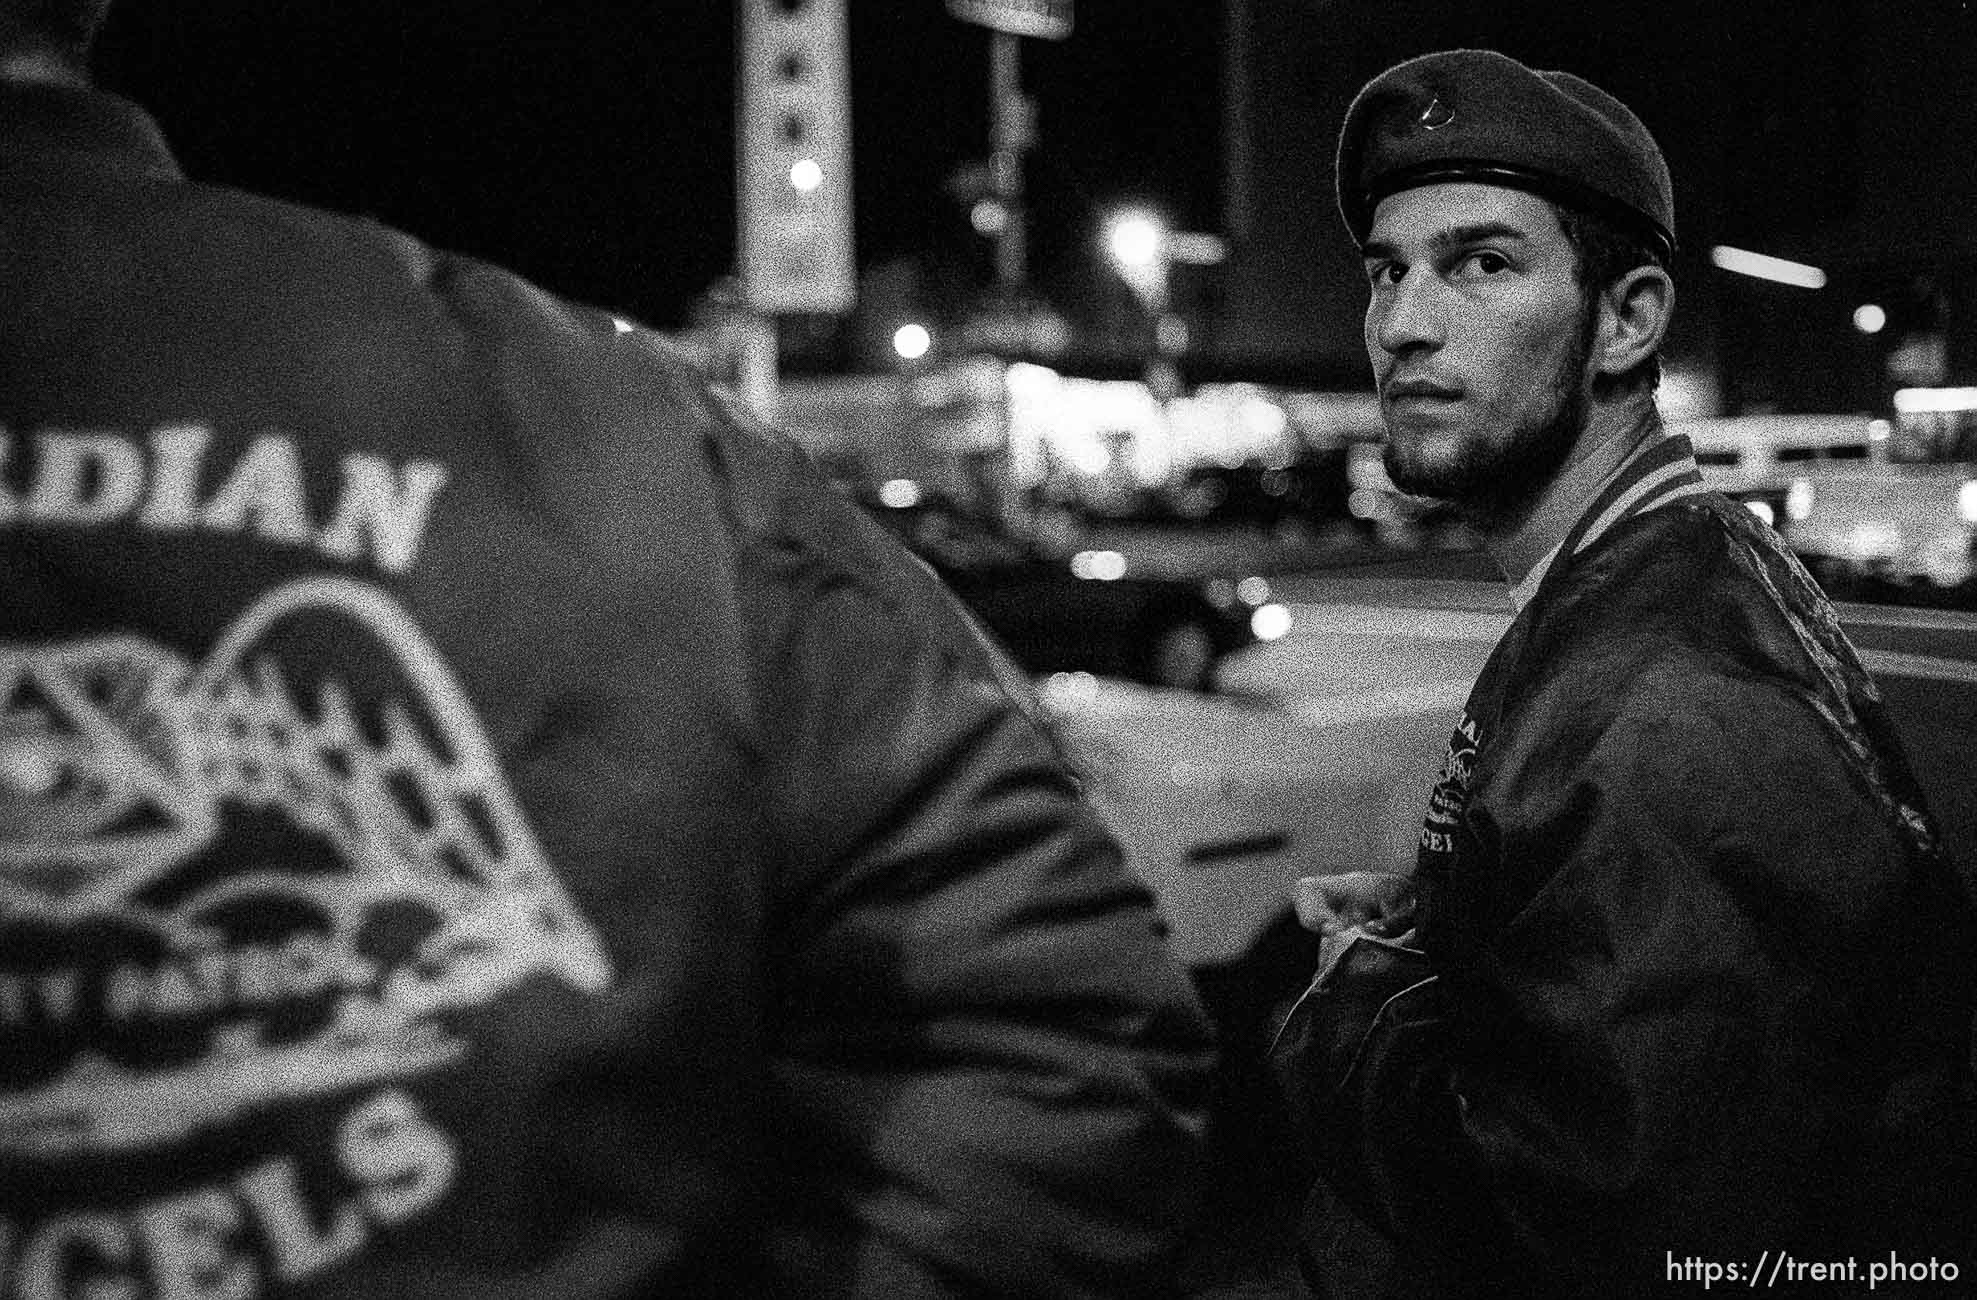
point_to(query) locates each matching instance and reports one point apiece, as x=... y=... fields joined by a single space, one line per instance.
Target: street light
x=1136 y=242
x=911 y=341
x=1134 y=238
x=989 y=217
x=1762 y=266
x=805 y=175
x=1140 y=247
x=1144 y=250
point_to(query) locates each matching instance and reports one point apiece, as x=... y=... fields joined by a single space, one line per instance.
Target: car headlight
x=900 y=493
x=1270 y=622
x=1103 y=566
x=1798 y=499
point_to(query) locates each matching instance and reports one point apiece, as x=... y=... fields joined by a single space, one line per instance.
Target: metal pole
x=756 y=366
x=1011 y=130
x=756 y=352
x=1238 y=150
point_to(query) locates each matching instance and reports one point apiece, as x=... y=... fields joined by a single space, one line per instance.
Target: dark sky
x=1837 y=132
x=589 y=144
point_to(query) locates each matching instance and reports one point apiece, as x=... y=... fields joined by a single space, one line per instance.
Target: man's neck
x=1523 y=539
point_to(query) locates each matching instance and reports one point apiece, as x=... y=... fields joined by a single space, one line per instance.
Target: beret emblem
x=1436 y=115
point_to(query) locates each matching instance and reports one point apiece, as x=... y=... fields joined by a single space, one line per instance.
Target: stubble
x=1491 y=478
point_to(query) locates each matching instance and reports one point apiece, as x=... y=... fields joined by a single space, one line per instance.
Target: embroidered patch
x=281 y=877
x=1451 y=792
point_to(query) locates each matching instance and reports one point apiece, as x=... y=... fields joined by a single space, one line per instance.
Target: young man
x=479 y=819
x=1683 y=974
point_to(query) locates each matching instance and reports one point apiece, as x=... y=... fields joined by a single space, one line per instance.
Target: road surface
x=1318 y=754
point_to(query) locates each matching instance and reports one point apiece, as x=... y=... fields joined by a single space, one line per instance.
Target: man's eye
x=1487 y=263
x=1385 y=273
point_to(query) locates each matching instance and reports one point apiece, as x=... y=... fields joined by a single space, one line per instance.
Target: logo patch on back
x=283 y=876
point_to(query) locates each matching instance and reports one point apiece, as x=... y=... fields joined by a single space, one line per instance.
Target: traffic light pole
x=1013 y=133
x=757 y=377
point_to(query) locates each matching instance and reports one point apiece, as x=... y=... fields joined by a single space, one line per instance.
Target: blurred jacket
x=480 y=817
x=1693 y=979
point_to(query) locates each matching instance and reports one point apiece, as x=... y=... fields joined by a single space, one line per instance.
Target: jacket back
x=478 y=815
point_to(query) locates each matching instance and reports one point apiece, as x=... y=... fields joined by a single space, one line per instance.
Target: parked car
x=1085 y=612
x=1309 y=492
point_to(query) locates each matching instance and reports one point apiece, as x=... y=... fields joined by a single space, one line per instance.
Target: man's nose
x=1408 y=316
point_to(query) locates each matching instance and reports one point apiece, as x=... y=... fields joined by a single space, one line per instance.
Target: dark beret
x=1476 y=115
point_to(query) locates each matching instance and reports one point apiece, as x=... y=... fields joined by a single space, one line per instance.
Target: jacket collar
x=1659 y=471
x=1524 y=553
x=54 y=123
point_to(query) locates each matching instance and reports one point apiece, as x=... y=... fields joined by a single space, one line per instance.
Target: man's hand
x=1366 y=955
x=1378 y=903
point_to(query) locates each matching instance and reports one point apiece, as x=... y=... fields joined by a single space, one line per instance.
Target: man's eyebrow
x=1454 y=237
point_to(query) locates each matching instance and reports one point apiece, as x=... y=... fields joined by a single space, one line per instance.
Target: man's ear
x=1634 y=315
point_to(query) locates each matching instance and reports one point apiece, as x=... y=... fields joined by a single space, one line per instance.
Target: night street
x=1258 y=650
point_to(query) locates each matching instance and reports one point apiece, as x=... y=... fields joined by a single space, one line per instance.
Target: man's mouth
x=1420 y=390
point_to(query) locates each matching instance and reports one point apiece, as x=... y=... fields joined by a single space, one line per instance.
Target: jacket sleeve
x=1656 y=1047
x=995 y=1073
x=985 y=1074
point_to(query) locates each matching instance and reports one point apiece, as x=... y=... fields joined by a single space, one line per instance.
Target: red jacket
x=478 y=818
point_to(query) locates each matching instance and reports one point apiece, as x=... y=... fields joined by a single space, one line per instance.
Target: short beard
x=1491 y=481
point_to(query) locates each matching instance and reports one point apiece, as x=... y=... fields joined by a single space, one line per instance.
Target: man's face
x=1480 y=340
